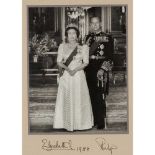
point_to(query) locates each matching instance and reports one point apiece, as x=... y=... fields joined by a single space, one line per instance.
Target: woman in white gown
x=73 y=109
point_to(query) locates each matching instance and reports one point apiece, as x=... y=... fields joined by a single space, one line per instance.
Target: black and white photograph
x=78 y=69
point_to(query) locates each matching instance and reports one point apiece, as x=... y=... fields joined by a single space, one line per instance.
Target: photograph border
x=32 y=144
x=81 y=132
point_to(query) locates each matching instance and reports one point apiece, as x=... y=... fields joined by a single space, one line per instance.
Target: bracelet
x=104 y=68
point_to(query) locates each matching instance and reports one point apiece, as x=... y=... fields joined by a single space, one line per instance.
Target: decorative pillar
x=103 y=19
x=109 y=18
x=87 y=23
x=56 y=19
x=63 y=23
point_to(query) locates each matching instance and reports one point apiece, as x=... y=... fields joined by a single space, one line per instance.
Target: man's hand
x=100 y=74
x=107 y=65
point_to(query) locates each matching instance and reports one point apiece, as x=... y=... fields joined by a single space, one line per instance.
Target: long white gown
x=73 y=109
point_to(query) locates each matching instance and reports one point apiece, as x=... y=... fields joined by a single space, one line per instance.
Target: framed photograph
x=77 y=77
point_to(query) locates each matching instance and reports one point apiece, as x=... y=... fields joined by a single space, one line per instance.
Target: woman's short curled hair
x=74 y=28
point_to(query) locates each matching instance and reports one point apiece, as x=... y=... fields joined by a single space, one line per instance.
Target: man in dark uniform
x=97 y=72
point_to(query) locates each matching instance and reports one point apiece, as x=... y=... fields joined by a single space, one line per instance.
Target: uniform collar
x=98 y=33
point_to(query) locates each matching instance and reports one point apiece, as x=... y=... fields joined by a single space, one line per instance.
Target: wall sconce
x=123 y=9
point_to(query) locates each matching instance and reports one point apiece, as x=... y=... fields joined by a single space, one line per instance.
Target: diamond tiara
x=72 y=25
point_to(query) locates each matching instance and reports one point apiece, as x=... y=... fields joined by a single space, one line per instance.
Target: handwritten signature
x=64 y=145
x=56 y=145
x=104 y=145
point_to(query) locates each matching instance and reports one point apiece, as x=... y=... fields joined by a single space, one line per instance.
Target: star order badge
x=101 y=52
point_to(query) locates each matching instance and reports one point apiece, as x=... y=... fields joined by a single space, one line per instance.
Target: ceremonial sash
x=68 y=61
x=93 y=47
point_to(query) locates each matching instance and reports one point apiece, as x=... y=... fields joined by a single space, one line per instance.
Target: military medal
x=101 y=46
x=93 y=56
x=101 y=52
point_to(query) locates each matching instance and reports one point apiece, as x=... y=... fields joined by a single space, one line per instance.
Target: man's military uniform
x=100 y=54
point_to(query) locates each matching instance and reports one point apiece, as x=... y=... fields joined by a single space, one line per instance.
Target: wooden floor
x=42 y=97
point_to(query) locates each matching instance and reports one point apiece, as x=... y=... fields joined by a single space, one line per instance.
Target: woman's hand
x=68 y=70
x=73 y=72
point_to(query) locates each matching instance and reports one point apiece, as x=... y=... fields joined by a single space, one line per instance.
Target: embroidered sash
x=68 y=61
x=94 y=47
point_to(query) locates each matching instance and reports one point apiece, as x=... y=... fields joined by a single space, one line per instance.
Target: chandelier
x=75 y=12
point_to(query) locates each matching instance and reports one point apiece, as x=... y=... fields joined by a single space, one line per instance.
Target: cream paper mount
x=40 y=87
